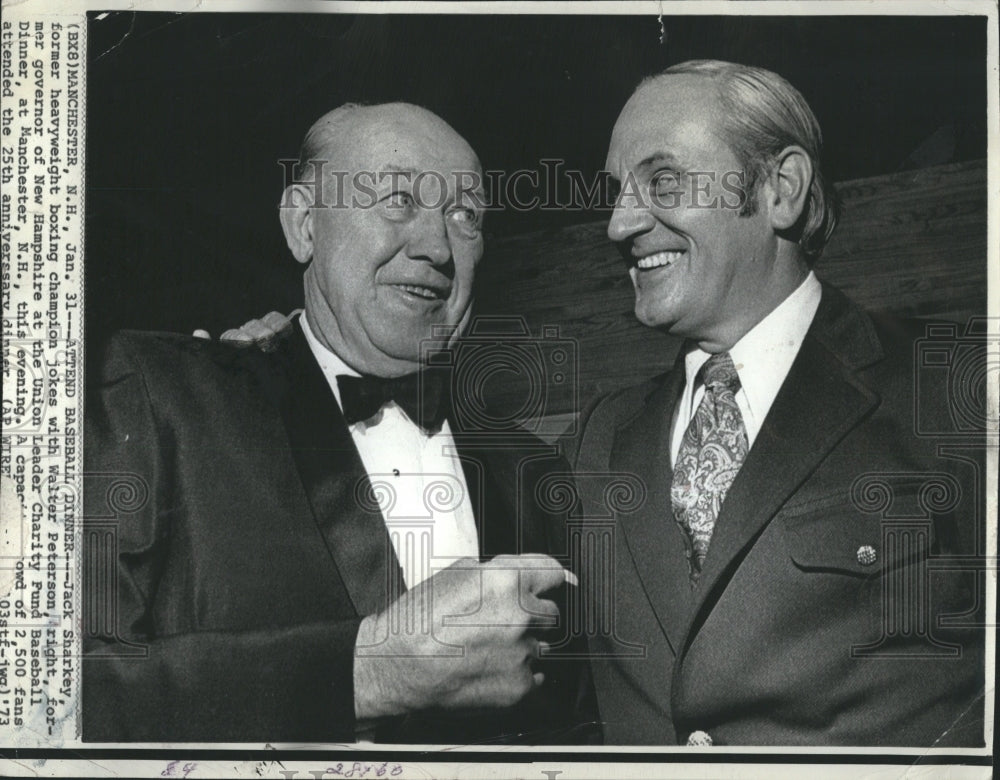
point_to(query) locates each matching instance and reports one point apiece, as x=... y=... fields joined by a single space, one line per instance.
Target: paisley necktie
x=711 y=453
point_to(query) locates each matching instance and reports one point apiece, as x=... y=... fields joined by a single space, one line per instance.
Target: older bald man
x=317 y=551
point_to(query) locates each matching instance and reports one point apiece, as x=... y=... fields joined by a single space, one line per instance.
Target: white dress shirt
x=417 y=478
x=762 y=358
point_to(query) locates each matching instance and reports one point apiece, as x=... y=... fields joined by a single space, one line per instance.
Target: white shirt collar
x=398 y=453
x=329 y=362
x=766 y=352
x=332 y=366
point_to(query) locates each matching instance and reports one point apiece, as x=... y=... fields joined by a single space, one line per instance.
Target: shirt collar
x=766 y=352
x=328 y=361
x=332 y=366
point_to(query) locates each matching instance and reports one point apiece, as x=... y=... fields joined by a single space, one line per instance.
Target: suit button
x=699 y=739
x=866 y=555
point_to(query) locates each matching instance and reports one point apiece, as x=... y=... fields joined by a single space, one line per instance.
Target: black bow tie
x=423 y=396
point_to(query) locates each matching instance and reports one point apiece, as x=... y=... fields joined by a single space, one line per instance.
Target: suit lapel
x=820 y=401
x=642 y=448
x=336 y=483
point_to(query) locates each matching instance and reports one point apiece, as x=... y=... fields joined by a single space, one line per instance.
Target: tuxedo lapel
x=820 y=401
x=642 y=448
x=336 y=483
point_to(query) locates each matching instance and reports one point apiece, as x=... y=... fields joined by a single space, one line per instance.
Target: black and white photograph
x=506 y=393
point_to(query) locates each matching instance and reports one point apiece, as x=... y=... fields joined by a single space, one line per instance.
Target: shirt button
x=699 y=739
x=866 y=555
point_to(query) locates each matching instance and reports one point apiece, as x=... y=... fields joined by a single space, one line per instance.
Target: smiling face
x=700 y=270
x=396 y=255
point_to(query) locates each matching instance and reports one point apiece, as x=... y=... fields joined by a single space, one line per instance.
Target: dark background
x=187 y=115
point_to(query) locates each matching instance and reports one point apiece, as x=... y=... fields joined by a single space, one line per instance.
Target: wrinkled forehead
x=407 y=142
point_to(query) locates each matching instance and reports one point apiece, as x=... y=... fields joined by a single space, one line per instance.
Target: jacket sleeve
x=286 y=684
x=573 y=716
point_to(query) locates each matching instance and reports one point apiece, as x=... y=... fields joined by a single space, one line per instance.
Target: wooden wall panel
x=912 y=243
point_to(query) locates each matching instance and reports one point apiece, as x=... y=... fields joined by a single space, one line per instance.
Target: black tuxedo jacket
x=791 y=636
x=230 y=555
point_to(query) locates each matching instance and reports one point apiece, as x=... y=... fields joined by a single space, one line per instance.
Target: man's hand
x=462 y=638
x=265 y=333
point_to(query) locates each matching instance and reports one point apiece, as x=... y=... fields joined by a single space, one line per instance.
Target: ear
x=789 y=184
x=295 y=213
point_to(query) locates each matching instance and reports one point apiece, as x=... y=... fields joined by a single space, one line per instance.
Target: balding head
x=383 y=213
x=342 y=127
x=324 y=134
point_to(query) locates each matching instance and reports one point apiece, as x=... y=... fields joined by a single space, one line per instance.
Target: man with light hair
x=779 y=600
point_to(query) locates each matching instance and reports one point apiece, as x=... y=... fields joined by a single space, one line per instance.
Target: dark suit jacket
x=789 y=639
x=229 y=558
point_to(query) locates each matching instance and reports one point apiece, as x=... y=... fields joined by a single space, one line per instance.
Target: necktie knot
x=719 y=372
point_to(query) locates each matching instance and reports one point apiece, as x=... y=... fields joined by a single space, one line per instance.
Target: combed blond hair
x=765 y=115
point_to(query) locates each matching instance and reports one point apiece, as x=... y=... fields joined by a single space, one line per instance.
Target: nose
x=629 y=218
x=429 y=241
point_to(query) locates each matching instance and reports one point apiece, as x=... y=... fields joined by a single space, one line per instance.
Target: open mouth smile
x=425 y=293
x=658 y=260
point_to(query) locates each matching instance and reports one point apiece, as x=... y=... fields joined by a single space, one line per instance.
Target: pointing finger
x=539 y=573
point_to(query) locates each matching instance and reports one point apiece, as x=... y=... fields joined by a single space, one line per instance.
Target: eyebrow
x=655 y=160
x=479 y=192
x=480 y=198
x=659 y=158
